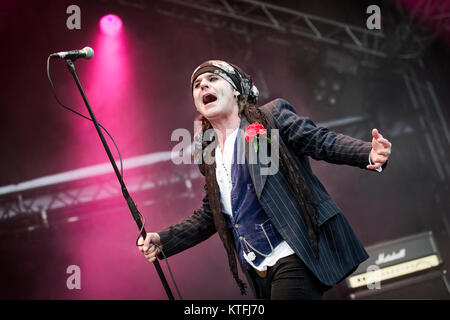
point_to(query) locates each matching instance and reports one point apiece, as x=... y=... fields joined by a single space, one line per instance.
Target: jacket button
x=236 y=225
x=241 y=238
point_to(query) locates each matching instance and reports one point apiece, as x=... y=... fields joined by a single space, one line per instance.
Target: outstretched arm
x=304 y=137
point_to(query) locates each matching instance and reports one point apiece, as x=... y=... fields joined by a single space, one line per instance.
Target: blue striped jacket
x=340 y=250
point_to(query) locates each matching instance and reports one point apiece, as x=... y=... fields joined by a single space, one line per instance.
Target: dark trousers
x=288 y=279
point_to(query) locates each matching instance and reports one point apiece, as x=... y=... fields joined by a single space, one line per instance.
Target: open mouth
x=208 y=98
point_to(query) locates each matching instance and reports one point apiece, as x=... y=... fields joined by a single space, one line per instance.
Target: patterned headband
x=233 y=74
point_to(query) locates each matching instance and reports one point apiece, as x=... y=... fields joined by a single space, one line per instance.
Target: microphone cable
x=121 y=169
x=162 y=252
x=81 y=115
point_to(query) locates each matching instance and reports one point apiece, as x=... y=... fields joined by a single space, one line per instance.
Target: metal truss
x=436 y=12
x=401 y=35
x=36 y=205
x=283 y=20
x=434 y=128
x=431 y=120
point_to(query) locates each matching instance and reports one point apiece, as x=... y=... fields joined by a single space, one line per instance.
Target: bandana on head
x=233 y=74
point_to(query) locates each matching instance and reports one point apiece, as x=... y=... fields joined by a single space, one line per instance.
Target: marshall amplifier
x=402 y=268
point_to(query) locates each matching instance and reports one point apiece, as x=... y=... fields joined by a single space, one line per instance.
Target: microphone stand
x=126 y=195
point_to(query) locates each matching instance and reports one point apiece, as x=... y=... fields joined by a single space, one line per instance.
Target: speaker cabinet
x=430 y=285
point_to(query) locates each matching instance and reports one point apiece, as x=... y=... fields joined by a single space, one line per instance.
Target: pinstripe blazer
x=340 y=250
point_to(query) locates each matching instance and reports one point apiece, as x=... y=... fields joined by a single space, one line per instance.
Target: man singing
x=289 y=237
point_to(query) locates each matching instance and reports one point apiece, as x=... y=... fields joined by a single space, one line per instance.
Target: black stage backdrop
x=138 y=85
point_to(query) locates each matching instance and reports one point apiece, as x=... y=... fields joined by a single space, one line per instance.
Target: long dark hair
x=288 y=168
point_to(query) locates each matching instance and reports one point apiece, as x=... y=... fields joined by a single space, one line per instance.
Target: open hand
x=381 y=150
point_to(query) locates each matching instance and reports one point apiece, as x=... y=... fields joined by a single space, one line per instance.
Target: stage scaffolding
x=32 y=206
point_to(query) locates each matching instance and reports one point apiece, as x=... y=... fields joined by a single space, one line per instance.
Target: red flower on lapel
x=253 y=130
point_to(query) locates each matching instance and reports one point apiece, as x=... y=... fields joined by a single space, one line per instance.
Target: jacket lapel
x=251 y=158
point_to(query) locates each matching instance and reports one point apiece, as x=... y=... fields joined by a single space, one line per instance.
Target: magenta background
x=138 y=85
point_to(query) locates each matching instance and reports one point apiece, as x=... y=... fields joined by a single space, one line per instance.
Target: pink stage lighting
x=111 y=24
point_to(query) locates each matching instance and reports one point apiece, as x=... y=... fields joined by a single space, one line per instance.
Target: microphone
x=86 y=53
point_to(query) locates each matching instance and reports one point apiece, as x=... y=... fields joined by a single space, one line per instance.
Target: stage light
x=111 y=24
